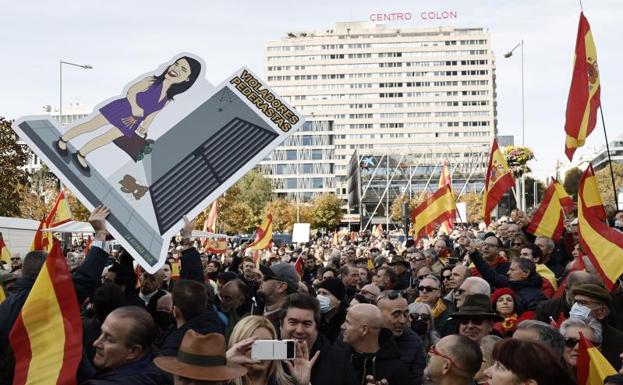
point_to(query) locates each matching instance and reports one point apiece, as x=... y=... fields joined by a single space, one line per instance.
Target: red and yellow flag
x=210 y=222
x=47 y=335
x=602 y=243
x=584 y=93
x=5 y=254
x=298 y=265
x=59 y=214
x=547 y=221
x=565 y=199
x=215 y=245
x=263 y=234
x=445 y=180
x=437 y=208
x=499 y=180
x=592 y=367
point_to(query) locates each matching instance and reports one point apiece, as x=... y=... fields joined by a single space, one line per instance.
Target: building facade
x=391 y=89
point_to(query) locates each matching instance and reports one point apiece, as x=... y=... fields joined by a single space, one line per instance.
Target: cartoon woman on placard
x=130 y=117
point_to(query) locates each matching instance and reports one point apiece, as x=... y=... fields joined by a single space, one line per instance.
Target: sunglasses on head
x=475 y=321
x=427 y=289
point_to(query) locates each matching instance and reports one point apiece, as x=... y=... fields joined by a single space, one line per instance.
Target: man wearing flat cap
x=597 y=300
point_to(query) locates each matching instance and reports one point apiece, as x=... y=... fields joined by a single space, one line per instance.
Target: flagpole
x=614 y=189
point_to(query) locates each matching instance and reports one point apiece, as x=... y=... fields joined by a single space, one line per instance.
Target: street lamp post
x=523 y=128
x=60 y=106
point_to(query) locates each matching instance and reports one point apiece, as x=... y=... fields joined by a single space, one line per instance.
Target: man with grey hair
x=571 y=330
x=471 y=285
x=557 y=309
x=547 y=247
x=532 y=330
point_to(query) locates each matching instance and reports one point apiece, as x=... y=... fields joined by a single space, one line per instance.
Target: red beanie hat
x=500 y=292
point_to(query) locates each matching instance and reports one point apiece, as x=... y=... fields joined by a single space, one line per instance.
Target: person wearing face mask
x=423 y=324
x=594 y=301
x=330 y=296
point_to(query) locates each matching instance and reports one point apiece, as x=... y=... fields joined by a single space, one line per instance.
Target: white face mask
x=580 y=311
x=325 y=303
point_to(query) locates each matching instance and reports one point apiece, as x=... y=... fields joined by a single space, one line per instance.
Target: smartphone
x=265 y=350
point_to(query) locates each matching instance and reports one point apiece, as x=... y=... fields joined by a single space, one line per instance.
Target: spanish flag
x=298 y=265
x=437 y=208
x=5 y=254
x=215 y=245
x=592 y=367
x=602 y=244
x=565 y=199
x=263 y=234
x=547 y=221
x=444 y=180
x=47 y=336
x=584 y=93
x=59 y=214
x=499 y=180
x=210 y=222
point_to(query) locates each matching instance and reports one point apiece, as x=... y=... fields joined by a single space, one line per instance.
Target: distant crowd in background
x=482 y=305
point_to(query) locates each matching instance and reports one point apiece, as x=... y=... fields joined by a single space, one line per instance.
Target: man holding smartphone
x=299 y=320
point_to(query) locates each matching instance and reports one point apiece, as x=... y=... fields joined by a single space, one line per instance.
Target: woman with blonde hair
x=251 y=328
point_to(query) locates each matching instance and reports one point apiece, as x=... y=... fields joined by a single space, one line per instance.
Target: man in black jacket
x=395 y=313
x=372 y=349
x=190 y=311
x=557 y=309
x=299 y=318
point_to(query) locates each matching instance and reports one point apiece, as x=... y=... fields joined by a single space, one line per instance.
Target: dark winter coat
x=333 y=366
x=141 y=372
x=412 y=354
x=205 y=323
x=384 y=364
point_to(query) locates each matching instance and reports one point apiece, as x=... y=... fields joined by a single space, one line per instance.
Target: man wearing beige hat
x=201 y=360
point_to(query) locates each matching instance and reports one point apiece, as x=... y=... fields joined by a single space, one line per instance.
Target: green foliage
x=12 y=158
x=572 y=182
x=473 y=206
x=326 y=211
x=255 y=190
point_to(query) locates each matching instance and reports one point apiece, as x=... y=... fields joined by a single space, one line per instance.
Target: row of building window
x=388 y=95
x=412 y=135
x=367 y=55
x=323 y=47
x=468 y=103
x=283 y=78
x=410 y=125
x=328 y=87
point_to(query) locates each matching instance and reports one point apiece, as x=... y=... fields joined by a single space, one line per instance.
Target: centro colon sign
x=426 y=15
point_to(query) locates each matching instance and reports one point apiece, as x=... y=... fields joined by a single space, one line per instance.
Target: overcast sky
x=123 y=39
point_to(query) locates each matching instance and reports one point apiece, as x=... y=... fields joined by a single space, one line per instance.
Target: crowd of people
x=483 y=305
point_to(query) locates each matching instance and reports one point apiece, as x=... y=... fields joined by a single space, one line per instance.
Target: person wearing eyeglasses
x=476 y=317
x=429 y=289
x=489 y=254
x=395 y=312
x=445 y=275
x=454 y=360
x=372 y=348
x=596 y=302
x=458 y=275
x=16 y=262
x=570 y=330
x=423 y=324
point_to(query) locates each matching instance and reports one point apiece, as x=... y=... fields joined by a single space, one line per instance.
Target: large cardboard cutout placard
x=166 y=147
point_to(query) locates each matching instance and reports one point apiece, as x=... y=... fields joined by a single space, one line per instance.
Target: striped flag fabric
x=602 y=243
x=5 y=254
x=547 y=221
x=445 y=180
x=585 y=90
x=209 y=224
x=59 y=214
x=592 y=367
x=499 y=180
x=47 y=336
x=263 y=234
x=215 y=245
x=565 y=199
x=437 y=208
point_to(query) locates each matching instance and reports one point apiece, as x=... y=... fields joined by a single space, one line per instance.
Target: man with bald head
x=371 y=347
x=395 y=311
x=150 y=290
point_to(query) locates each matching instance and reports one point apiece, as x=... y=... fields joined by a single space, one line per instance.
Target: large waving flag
x=499 y=180
x=438 y=208
x=59 y=214
x=263 y=234
x=547 y=221
x=445 y=180
x=5 y=254
x=47 y=335
x=210 y=222
x=584 y=93
x=565 y=199
x=215 y=245
x=602 y=243
x=592 y=367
